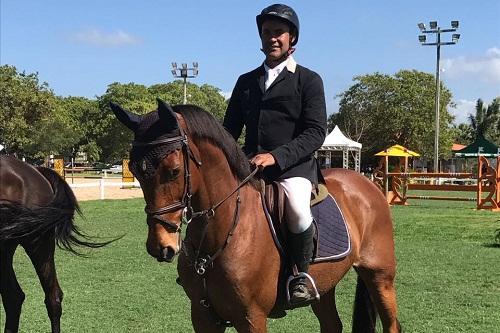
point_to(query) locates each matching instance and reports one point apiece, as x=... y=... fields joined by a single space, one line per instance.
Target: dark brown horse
x=36 y=211
x=192 y=172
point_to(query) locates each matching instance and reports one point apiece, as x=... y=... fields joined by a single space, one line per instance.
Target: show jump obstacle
x=395 y=185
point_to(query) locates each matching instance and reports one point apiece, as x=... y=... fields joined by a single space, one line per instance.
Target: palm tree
x=464 y=134
x=486 y=118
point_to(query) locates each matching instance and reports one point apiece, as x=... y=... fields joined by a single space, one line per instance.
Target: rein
x=210 y=212
x=201 y=264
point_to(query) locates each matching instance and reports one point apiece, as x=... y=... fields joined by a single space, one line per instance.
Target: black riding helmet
x=282 y=12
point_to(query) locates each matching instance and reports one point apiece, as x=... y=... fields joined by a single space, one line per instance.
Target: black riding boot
x=301 y=249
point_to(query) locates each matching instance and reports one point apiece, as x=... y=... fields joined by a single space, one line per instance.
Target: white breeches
x=297 y=208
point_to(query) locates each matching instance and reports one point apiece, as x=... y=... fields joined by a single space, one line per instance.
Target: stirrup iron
x=313 y=287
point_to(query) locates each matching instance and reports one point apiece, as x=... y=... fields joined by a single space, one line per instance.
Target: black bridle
x=185 y=204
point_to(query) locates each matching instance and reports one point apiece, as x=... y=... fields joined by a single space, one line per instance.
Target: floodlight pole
x=438 y=93
x=183 y=73
x=435 y=29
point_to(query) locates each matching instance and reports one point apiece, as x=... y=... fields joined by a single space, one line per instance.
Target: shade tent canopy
x=337 y=141
x=398 y=151
x=480 y=146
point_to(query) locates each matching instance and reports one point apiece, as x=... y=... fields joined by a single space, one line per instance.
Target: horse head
x=160 y=159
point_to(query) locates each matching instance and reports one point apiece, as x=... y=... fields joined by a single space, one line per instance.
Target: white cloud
x=484 y=68
x=462 y=110
x=107 y=39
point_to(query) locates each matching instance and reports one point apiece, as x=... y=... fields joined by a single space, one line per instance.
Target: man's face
x=276 y=39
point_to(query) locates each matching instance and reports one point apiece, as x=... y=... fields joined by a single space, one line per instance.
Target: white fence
x=101 y=184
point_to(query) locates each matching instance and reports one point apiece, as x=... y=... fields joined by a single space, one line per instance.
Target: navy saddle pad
x=332 y=236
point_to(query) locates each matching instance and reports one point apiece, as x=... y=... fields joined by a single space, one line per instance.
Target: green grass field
x=448 y=276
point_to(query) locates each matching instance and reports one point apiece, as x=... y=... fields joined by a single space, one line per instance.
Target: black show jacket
x=287 y=120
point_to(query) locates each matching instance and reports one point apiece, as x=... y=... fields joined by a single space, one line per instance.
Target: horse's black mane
x=202 y=125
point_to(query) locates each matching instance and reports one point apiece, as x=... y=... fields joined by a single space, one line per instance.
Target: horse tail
x=64 y=204
x=364 y=317
x=17 y=221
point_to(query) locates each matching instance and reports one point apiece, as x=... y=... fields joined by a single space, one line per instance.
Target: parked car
x=115 y=168
x=100 y=165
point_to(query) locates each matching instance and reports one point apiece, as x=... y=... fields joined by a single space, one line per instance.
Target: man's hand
x=263 y=160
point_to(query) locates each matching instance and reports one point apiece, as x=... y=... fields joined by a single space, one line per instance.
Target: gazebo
x=400 y=152
x=394 y=151
x=480 y=146
x=336 y=141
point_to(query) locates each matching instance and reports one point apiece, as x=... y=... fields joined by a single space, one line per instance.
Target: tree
x=35 y=123
x=114 y=139
x=486 y=118
x=206 y=96
x=111 y=136
x=80 y=113
x=26 y=108
x=54 y=135
x=463 y=134
x=380 y=110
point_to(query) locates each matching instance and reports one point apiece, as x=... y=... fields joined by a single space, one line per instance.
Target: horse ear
x=167 y=114
x=127 y=118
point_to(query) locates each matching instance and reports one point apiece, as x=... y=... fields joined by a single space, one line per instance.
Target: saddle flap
x=275 y=200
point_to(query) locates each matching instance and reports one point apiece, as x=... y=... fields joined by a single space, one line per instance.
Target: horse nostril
x=167 y=254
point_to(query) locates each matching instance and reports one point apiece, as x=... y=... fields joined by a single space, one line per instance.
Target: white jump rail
x=102 y=184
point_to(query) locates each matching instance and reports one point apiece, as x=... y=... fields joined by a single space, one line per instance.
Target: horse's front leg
x=11 y=292
x=203 y=319
x=253 y=322
x=41 y=254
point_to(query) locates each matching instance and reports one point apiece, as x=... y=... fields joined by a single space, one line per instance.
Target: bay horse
x=192 y=172
x=37 y=208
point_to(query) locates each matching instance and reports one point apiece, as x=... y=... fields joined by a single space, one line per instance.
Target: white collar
x=289 y=63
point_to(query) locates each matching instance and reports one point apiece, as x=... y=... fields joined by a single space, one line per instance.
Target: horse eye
x=175 y=172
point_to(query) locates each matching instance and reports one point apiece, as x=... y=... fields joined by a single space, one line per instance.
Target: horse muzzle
x=163 y=254
x=167 y=254
x=162 y=244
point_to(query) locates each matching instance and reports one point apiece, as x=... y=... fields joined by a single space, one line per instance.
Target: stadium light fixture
x=183 y=73
x=435 y=29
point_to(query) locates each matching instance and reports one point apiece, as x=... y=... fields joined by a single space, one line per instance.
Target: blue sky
x=79 y=47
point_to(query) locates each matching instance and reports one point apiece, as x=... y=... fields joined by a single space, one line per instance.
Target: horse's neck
x=217 y=183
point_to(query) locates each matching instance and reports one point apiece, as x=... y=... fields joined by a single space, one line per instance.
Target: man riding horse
x=282 y=106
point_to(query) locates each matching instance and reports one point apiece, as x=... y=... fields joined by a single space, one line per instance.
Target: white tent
x=337 y=141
